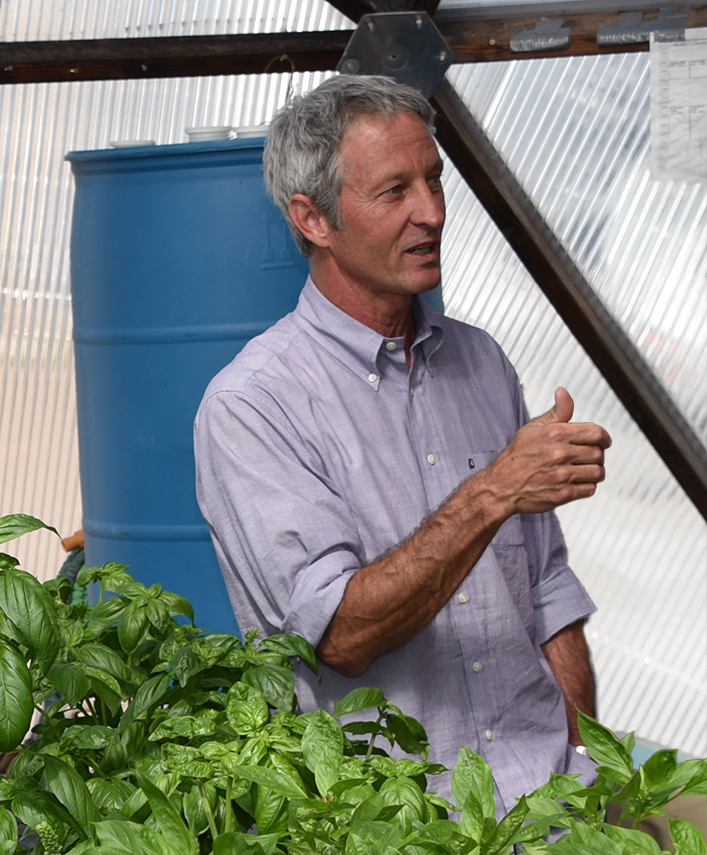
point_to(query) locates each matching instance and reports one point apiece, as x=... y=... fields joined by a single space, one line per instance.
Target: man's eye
x=393 y=191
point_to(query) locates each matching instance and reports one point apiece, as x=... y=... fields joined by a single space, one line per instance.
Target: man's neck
x=390 y=315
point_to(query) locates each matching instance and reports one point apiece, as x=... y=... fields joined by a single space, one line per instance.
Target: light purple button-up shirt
x=317 y=451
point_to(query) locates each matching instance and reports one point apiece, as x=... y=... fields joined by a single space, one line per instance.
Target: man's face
x=392 y=207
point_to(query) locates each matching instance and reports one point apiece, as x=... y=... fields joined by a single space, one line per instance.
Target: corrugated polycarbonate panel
x=576 y=133
x=39 y=20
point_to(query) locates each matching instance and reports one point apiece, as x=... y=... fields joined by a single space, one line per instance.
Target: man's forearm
x=388 y=602
x=549 y=462
x=567 y=654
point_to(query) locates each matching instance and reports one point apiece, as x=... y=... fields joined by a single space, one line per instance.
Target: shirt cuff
x=558 y=602
x=317 y=595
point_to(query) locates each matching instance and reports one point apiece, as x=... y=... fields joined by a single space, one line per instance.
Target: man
x=366 y=468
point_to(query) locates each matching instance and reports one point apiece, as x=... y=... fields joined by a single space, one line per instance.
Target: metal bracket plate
x=548 y=34
x=404 y=45
x=669 y=26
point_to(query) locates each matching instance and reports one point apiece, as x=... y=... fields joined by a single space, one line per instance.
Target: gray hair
x=301 y=152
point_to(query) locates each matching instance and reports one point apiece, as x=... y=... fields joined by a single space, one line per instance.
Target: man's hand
x=549 y=462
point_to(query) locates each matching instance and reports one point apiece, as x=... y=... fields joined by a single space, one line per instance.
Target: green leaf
x=269 y=810
x=30 y=607
x=276 y=685
x=169 y=821
x=110 y=794
x=633 y=841
x=104 y=616
x=359 y=699
x=471 y=821
x=292 y=645
x=119 y=837
x=605 y=748
x=409 y=734
x=157 y=614
x=16 y=701
x=8 y=825
x=71 y=681
x=105 y=687
x=323 y=748
x=86 y=737
x=246 y=709
x=110 y=661
x=177 y=605
x=686 y=838
x=148 y=696
x=64 y=782
x=659 y=769
x=132 y=628
x=271 y=779
x=239 y=843
x=15 y=525
x=472 y=774
x=692 y=775
x=507 y=828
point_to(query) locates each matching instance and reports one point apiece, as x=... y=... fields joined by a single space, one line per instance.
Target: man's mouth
x=422 y=249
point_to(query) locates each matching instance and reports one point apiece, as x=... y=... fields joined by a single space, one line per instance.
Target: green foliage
x=159 y=738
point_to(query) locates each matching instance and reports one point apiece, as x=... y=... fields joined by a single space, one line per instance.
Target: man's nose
x=429 y=207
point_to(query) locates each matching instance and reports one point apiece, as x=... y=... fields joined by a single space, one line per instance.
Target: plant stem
x=229 y=808
x=381 y=713
x=208 y=811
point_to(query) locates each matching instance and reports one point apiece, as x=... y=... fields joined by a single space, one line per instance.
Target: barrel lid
x=147 y=153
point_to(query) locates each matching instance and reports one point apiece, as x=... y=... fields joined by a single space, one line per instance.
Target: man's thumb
x=563 y=409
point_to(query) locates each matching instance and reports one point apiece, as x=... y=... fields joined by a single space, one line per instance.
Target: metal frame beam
x=470 y=39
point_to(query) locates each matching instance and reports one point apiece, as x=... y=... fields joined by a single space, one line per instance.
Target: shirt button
x=463 y=597
x=477 y=666
x=431 y=459
x=391 y=345
x=489 y=735
x=373 y=377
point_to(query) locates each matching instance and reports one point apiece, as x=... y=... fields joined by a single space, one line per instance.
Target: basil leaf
x=16 y=702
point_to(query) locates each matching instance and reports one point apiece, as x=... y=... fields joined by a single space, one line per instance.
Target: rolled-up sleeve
x=559 y=599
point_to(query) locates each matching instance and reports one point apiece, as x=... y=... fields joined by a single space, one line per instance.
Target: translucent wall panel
x=39 y=20
x=576 y=133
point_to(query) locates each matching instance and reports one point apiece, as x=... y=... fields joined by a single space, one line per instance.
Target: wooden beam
x=488 y=40
x=178 y=56
x=471 y=40
x=571 y=294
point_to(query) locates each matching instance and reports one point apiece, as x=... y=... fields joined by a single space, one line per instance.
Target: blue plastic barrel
x=177 y=259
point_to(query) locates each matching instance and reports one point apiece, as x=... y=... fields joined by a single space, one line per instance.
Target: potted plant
x=159 y=738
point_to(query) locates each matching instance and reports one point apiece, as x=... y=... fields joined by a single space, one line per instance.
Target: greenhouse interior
x=574 y=142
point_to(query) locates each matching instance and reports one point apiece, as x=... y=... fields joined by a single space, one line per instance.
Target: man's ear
x=309 y=219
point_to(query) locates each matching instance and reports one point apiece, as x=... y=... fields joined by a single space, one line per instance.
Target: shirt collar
x=352 y=343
